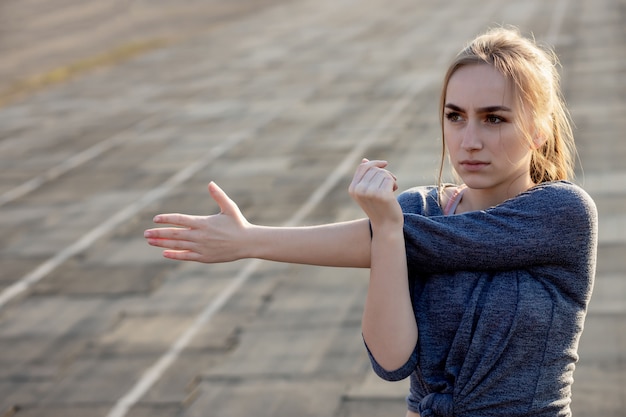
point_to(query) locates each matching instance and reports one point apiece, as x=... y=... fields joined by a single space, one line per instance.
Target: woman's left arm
x=389 y=326
x=555 y=224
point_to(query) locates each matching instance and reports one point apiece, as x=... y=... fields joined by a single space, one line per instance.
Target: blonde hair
x=532 y=69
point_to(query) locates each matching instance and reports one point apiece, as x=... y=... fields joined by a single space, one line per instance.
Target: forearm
x=345 y=244
x=228 y=236
x=389 y=326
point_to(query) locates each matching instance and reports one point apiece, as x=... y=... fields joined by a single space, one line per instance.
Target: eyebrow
x=488 y=109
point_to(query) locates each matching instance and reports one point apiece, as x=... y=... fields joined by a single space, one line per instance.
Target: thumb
x=223 y=201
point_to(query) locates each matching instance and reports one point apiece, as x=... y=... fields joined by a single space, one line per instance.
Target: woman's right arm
x=228 y=236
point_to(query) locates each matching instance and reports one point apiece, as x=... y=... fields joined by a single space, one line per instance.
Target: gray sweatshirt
x=500 y=297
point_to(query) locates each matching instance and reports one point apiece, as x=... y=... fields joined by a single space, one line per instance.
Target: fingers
x=176 y=244
x=374 y=182
x=185 y=220
x=371 y=176
x=168 y=233
x=365 y=166
x=177 y=219
x=197 y=238
x=226 y=205
x=182 y=255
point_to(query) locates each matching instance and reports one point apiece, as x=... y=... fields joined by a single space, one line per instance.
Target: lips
x=473 y=165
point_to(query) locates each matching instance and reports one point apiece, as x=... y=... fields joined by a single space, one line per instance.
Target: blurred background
x=112 y=112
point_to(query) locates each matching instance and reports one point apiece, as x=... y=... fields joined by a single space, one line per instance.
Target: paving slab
x=268 y=99
x=267 y=397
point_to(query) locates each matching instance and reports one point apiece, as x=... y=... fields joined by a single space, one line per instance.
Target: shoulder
x=560 y=193
x=421 y=200
x=449 y=192
x=557 y=200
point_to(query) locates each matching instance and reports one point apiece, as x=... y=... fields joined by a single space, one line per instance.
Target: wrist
x=387 y=230
x=253 y=244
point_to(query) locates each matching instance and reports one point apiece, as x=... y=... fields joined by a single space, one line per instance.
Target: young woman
x=494 y=274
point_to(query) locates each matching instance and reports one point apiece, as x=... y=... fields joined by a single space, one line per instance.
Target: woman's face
x=486 y=148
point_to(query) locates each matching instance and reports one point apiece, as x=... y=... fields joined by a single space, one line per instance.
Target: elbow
x=393 y=367
x=392 y=376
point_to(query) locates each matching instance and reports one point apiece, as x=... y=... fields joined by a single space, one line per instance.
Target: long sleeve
x=499 y=297
x=548 y=225
x=395 y=374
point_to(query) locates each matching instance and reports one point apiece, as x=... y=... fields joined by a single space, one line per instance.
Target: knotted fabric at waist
x=436 y=405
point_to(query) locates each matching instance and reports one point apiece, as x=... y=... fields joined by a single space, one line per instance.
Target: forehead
x=479 y=85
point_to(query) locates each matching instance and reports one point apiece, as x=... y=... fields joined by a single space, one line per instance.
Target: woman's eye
x=453 y=116
x=494 y=120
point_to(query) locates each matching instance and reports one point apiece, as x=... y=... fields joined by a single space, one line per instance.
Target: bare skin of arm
x=389 y=326
x=228 y=236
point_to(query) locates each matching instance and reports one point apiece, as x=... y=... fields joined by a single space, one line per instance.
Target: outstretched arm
x=228 y=236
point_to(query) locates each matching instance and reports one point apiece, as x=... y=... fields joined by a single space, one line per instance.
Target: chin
x=476 y=183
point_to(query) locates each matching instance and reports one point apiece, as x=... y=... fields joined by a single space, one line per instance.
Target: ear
x=538 y=141
x=539 y=136
x=542 y=130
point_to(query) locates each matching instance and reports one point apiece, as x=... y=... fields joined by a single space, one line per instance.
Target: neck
x=484 y=198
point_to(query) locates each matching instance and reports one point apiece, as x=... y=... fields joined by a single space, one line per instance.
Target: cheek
x=515 y=148
x=450 y=137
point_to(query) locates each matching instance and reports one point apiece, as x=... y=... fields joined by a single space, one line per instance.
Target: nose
x=471 y=140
